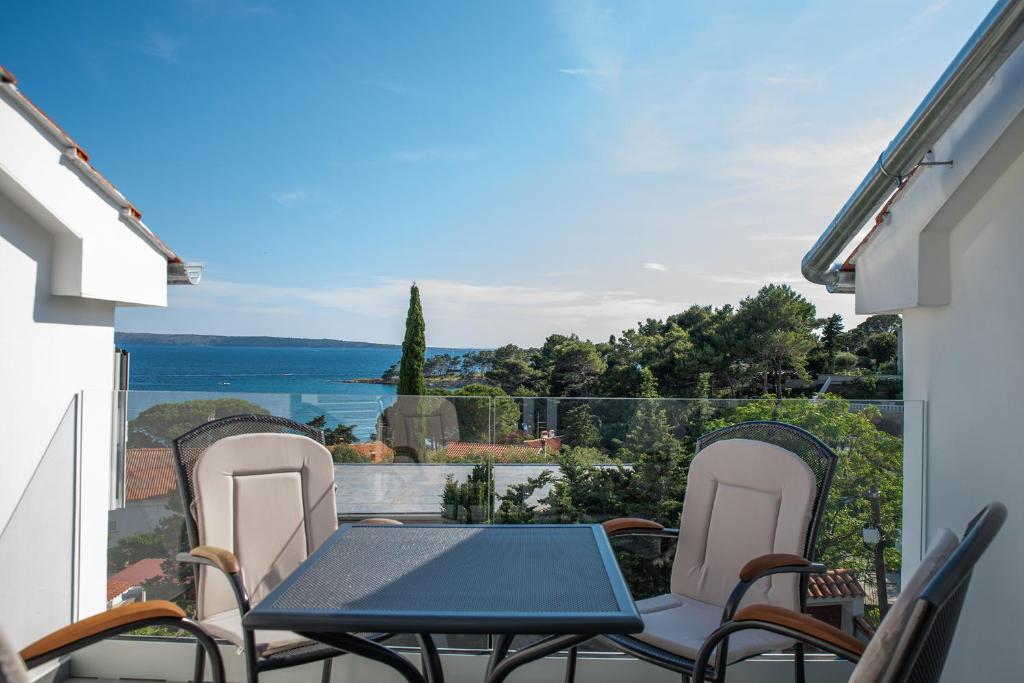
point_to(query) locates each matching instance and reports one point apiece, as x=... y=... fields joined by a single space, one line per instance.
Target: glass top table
x=559 y=580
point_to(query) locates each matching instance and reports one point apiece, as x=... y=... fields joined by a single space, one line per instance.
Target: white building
x=945 y=252
x=72 y=249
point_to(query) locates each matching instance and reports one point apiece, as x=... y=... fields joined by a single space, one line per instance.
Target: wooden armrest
x=90 y=626
x=617 y=526
x=803 y=623
x=759 y=565
x=224 y=559
x=380 y=521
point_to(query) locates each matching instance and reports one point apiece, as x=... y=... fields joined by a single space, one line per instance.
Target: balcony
x=479 y=460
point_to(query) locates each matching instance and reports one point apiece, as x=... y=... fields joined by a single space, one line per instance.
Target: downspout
x=985 y=51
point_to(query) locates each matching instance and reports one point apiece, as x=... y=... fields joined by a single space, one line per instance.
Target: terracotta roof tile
x=134 y=575
x=463 y=449
x=72 y=148
x=115 y=587
x=149 y=473
x=834 y=584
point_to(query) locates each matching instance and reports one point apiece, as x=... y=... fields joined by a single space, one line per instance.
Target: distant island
x=122 y=338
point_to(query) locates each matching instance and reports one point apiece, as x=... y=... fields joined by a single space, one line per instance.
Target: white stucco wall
x=962 y=355
x=949 y=260
x=115 y=264
x=67 y=258
x=51 y=347
x=965 y=360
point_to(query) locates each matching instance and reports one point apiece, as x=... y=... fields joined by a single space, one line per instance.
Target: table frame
x=564 y=633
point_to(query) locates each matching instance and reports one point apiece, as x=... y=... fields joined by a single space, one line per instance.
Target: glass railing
x=39 y=523
x=515 y=460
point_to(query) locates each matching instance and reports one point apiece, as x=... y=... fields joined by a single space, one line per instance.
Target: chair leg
x=798 y=662
x=570 y=664
x=325 y=677
x=252 y=675
x=200 y=667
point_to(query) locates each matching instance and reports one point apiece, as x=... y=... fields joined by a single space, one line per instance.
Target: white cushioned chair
x=755 y=495
x=260 y=494
x=913 y=640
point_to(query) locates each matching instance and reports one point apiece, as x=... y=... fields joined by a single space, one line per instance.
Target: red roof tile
x=134 y=575
x=149 y=473
x=115 y=587
x=834 y=584
x=10 y=82
x=463 y=449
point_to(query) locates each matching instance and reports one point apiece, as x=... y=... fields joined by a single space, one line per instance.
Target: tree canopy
x=158 y=425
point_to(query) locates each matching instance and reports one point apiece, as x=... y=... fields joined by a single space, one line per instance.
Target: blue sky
x=537 y=167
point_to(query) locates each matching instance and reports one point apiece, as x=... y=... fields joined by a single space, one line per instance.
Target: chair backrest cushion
x=879 y=653
x=744 y=499
x=269 y=499
x=12 y=669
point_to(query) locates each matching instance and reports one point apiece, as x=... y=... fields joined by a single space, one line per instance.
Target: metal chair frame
x=920 y=655
x=206 y=646
x=186 y=455
x=823 y=462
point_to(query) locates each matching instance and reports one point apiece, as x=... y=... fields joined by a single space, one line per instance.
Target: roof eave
x=177 y=271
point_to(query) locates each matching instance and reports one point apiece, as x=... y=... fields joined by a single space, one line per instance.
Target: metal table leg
x=432 y=669
x=375 y=651
x=499 y=670
x=502 y=642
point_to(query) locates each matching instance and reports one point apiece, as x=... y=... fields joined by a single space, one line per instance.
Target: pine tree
x=414 y=348
x=830 y=339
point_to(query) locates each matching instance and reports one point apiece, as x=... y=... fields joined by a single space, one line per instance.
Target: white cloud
x=160 y=45
x=757 y=279
x=660 y=267
x=450 y=154
x=290 y=198
x=591 y=73
x=808 y=238
x=457 y=313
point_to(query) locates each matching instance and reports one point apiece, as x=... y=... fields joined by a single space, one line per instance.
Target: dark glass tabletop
x=556 y=579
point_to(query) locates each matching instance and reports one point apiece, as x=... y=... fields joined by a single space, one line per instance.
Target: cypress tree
x=414 y=348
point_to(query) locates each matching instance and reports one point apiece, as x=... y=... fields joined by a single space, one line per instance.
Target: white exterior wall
x=51 y=347
x=99 y=255
x=966 y=360
x=950 y=261
x=67 y=258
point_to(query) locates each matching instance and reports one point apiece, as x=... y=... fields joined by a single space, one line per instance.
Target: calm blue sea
x=298 y=383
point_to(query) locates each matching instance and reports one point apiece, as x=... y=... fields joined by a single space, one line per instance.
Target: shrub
x=345 y=453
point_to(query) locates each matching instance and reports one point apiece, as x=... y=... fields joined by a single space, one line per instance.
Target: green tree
x=414 y=347
x=390 y=376
x=339 y=434
x=486 y=413
x=511 y=369
x=576 y=367
x=830 y=332
x=158 y=425
x=442 y=365
x=514 y=507
x=658 y=459
x=581 y=427
x=774 y=333
x=881 y=347
x=621 y=376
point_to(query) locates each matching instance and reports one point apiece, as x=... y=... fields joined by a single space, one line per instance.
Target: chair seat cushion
x=228 y=626
x=680 y=625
